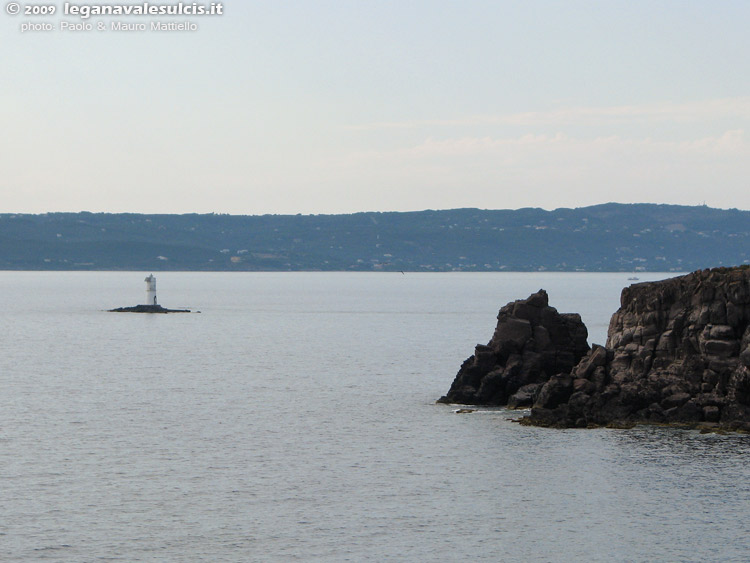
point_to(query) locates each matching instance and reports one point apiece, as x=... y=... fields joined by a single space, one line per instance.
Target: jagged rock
x=677 y=351
x=531 y=343
x=524 y=397
x=555 y=392
x=711 y=414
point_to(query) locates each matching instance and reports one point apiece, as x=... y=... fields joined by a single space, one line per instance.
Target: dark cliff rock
x=532 y=342
x=678 y=351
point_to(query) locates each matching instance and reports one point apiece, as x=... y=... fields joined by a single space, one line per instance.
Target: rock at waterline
x=532 y=342
x=677 y=352
x=148 y=309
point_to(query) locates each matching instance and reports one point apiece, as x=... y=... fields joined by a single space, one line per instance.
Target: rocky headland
x=677 y=351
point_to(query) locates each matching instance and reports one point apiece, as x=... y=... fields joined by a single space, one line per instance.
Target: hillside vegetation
x=609 y=237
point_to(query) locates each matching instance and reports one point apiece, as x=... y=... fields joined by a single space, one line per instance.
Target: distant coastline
x=602 y=238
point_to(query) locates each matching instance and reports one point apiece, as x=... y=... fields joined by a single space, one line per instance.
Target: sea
x=292 y=417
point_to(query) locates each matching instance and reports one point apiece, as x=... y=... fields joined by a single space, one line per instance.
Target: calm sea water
x=294 y=419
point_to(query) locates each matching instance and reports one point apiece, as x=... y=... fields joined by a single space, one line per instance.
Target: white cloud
x=547 y=147
x=689 y=112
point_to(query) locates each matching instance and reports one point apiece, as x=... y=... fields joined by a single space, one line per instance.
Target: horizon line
x=549 y=210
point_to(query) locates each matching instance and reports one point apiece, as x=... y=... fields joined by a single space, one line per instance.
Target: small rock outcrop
x=678 y=351
x=532 y=342
x=147 y=309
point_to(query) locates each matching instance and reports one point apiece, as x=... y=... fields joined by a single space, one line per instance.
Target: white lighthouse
x=151 y=290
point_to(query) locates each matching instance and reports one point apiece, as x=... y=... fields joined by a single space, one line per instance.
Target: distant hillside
x=610 y=237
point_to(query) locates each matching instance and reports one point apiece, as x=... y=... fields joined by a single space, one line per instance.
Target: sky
x=328 y=106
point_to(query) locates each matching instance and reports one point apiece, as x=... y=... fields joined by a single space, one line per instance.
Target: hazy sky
x=310 y=106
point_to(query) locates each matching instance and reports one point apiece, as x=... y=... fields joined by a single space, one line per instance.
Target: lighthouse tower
x=151 y=290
